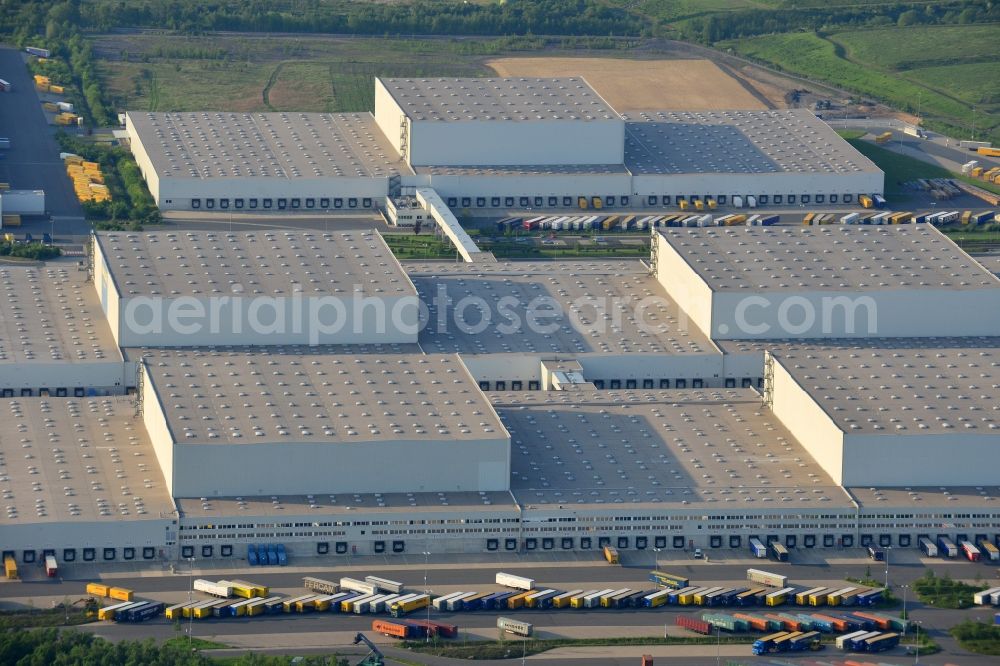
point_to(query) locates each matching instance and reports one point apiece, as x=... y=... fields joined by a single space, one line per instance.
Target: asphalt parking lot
x=33 y=163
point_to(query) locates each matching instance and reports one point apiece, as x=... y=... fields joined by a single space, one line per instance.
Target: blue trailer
x=272 y=555
x=869 y=598
x=282 y=555
x=252 y=555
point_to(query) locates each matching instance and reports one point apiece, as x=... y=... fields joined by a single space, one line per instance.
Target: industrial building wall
x=57 y=536
x=554 y=185
x=912 y=459
x=472 y=143
x=102 y=377
x=687 y=289
x=142 y=159
x=807 y=421
x=388 y=115
x=605 y=367
x=750 y=364
x=768 y=184
x=296 y=468
x=264 y=319
x=893 y=312
x=155 y=421
x=177 y=193
x=107 y=291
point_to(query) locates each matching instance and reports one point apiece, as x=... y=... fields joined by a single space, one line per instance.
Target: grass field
x=912 y=69
x=167 y=73
x=898 y=168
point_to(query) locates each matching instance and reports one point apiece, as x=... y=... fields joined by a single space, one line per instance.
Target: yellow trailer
x=10 y=567
x=59 y=90
x=808 y=219
x=120 y=593
x=177 y=611
x=966 y=216
x=582 y=203
x=712 y=205
x=611 y=554
x=699 y=204
x=517 y=601
x=597 y=202
x=610 y=222
x=97 y=589
x=683 y=204
x=865 y=201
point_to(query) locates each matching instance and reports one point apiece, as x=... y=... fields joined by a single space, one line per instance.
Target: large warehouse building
x=493 y=143
x=549 y=406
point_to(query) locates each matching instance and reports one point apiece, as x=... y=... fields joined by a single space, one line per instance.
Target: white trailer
x=384 y=584
x=593 y=600
x=850 y=218
x=455 y=603
x=737 y=202
x=516 y=582
x=222 y=589
x=357 y=586
x=516 y=627
x=929 y=547
x=383 y=604
x=440 y=602
x=983 y=598
x=751 y=202
x=766 y=578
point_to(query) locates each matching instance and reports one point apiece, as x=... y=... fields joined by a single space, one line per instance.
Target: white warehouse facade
x=493 y=143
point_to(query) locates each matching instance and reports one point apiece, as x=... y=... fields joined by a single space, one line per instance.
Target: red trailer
x=437 y=628
x=694 y=624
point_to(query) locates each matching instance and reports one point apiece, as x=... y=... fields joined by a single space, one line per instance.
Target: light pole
x=887 y=550
x=718 y=645
x=916 y=659
x=190 y=561
x=656 y=558
x=906 y=618
x=427 y=635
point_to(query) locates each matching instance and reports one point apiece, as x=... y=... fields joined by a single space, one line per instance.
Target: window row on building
x=280 y=203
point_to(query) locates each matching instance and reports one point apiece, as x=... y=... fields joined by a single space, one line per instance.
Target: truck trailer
x=517 y=582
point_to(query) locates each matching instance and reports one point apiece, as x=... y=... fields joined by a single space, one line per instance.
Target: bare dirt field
x=639 y=85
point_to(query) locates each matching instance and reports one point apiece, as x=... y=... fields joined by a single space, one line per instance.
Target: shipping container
x=510 y=580
x=928 y=546
x=988 y=152
x=766 y=578
x=120 y=593
x=694 y=624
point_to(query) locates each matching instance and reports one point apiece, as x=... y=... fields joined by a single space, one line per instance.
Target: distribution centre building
x=493 y=143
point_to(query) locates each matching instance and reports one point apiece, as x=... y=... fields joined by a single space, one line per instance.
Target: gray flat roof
x=216 y=144
x=426 y=505
x=50 y=314
x=245 y=397
x=834 y=257
x=709 y=448
x=595 y=304
x=492 y=99
x=916 y=497
x=745 y=142
x=990 y=262
x=903 y=390
x=271 y=263
x=524 y=170
x=839 y=345
x=77 y=460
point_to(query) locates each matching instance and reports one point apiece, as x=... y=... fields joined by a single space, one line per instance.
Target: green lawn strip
x=944 y=592
x=978 y=637
x=513 y=648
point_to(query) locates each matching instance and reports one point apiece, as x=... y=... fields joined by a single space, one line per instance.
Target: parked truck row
x=628 y=222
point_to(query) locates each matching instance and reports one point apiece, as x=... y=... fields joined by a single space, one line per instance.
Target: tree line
x=52 y=647
x=753 y=22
